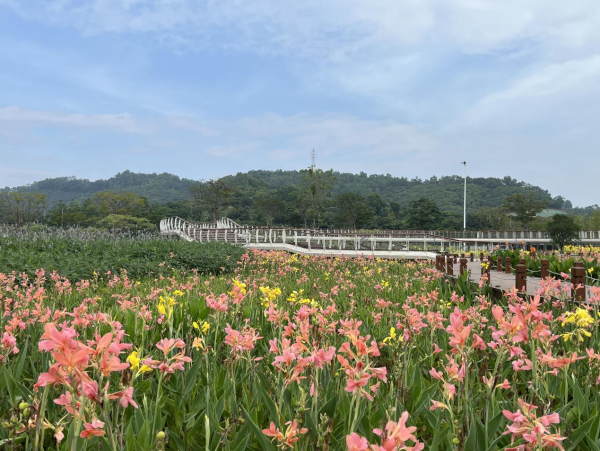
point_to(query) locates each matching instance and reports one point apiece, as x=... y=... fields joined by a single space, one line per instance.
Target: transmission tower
x=313 y=159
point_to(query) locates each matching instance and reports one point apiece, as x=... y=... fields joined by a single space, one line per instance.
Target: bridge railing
x=501 y=235
x=265 y=238
x=225 y=229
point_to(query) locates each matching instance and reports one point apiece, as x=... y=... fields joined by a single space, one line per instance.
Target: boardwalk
x=503 y=281
x=406 y=244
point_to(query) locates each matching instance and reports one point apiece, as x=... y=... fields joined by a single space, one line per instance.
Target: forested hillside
x=447 y=191
x=310 y=197
x=157 y=188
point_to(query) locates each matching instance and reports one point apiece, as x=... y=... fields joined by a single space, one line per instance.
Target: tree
x=212 y=196
x=563 y=230
x=595 y=220
x=352 y=211
x=492 y=218
x=524 y=206
x=124 y=222
x=269 y=206
x=119 y=203
x=21 y=207
x=316 y=188
x=423 y=214
x=68 y=215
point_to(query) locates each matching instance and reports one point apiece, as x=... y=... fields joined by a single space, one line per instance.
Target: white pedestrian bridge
x=413 y=244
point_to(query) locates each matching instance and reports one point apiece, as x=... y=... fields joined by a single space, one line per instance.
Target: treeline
x=156 y=188
x=164 y=188
x=308 y=198
x=119 y=210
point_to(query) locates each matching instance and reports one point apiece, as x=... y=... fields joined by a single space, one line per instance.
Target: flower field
x=284 y=352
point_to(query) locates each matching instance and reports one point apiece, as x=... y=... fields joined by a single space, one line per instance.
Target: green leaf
x=493 y=424
x=329 y=407
x=174 y=438
x=577 y=435
x=191 y=376
x=476 y=439
x=204 y=313
x=268 y=401
x=590 y=445
x=578 y=397
x=265 y=443
x=438 y=437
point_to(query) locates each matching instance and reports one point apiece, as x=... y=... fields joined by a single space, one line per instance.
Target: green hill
x=157 y=188
x=446 y=191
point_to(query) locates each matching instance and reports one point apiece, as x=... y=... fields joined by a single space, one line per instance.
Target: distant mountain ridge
x=157 y=188
x=446 y=191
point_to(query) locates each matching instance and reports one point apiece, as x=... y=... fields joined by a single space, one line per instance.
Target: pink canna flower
x=56 y=375
x=273 y=432
x=393 y=438
x=504 y=385
x=125 y=397
x=109 y=364
x=436 y=374
x=9 y=343
x=93 y=429
x=291 y=436
x=320 y=357
x=55 y=340
x=66 y=400
x=166 y=344
x=534 y=430
x=355 y=442
x=287 y=358
x=241 y=341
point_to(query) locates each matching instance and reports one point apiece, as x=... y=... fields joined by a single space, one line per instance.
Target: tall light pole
x=464 y=163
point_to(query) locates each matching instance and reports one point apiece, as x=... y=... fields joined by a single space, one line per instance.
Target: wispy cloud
x=121 y=122
x=406 y=86
x=341 y=27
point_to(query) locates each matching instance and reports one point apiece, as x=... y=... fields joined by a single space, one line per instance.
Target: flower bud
x=160 y=435
x=23 y=405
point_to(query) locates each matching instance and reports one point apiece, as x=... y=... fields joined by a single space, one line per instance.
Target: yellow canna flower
x=392 y=335
x=134 y=360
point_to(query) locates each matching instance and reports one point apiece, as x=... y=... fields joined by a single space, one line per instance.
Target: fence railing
x=205 y=231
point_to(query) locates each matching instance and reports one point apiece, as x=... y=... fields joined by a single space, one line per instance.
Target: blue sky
x=203 y=88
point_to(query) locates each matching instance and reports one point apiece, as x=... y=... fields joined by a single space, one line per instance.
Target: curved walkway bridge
x=352 y=243
x=348 y=243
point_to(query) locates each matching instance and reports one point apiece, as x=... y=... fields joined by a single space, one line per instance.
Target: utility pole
x=464 y=163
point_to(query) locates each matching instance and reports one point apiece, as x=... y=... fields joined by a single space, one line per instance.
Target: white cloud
x=334 y=27
x=121 y=122
x=554 y=90
x=379 y=49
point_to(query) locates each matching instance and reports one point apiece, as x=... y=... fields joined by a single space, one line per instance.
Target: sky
x=207 y=88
